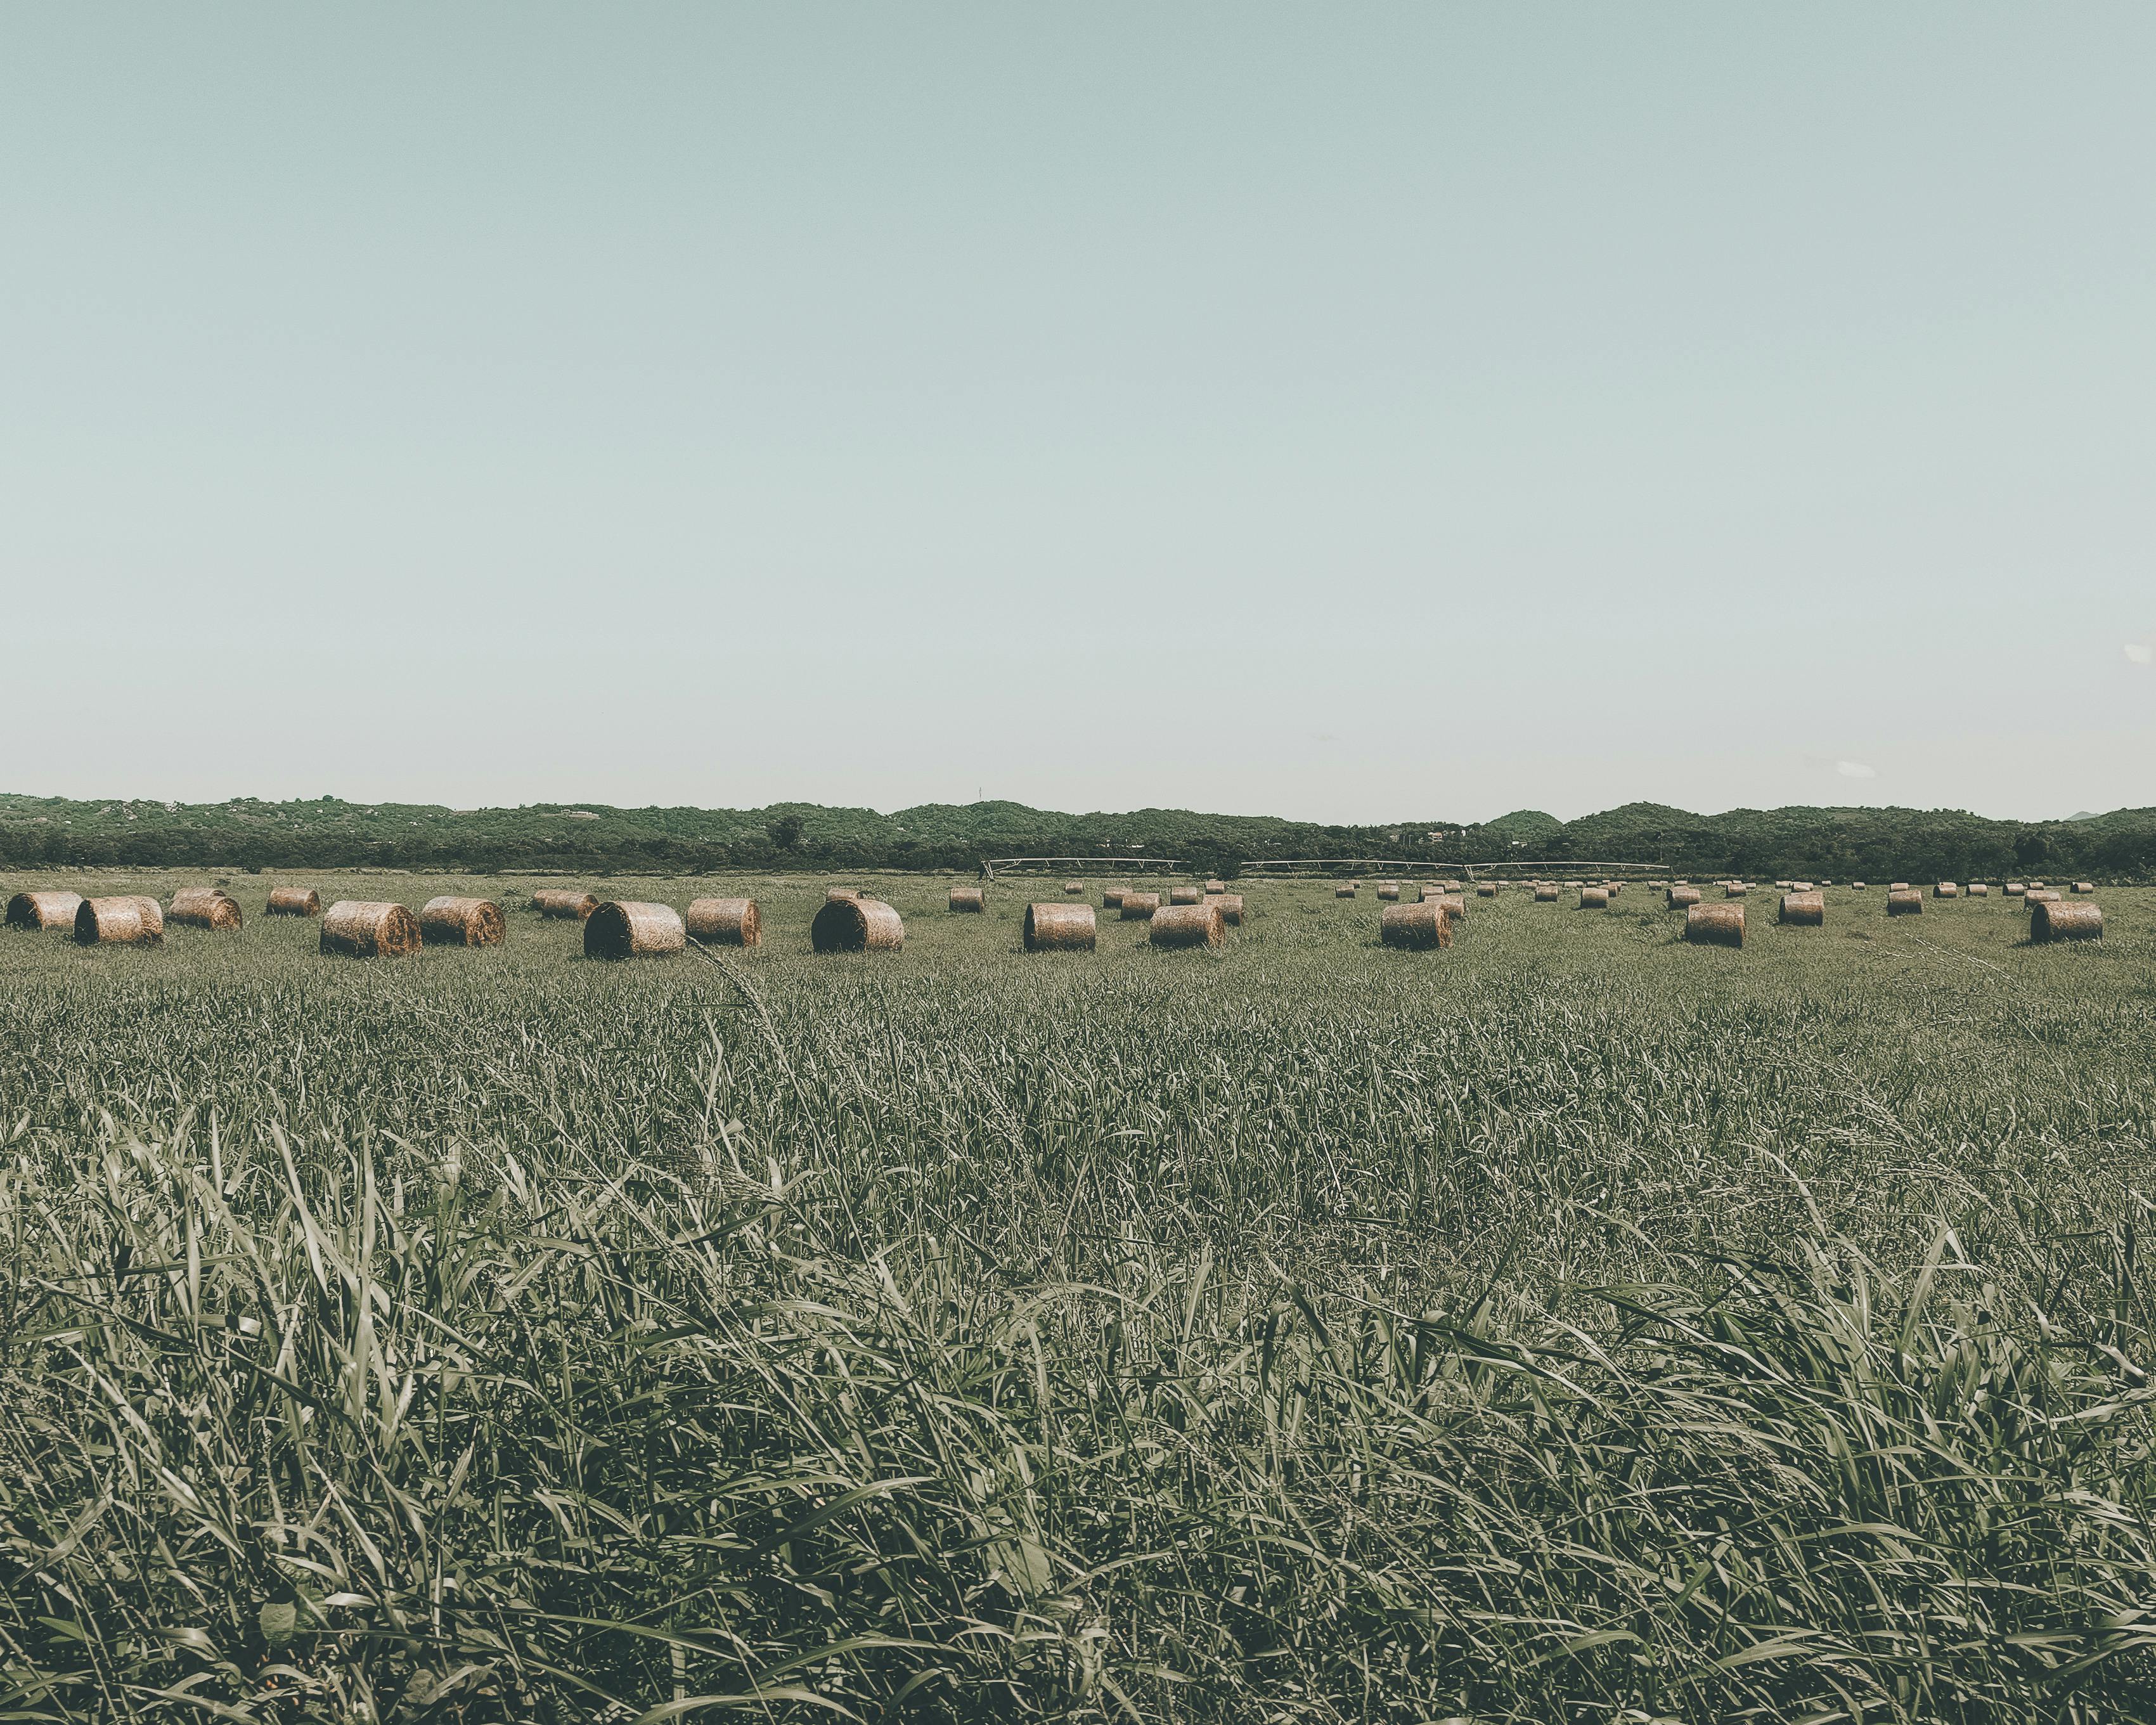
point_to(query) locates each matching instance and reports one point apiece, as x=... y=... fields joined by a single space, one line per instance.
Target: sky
x=1345 y=412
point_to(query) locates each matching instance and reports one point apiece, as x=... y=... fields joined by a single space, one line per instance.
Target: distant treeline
x=327 y=834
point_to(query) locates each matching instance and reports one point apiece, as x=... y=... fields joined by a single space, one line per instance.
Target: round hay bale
x=1978 y=890
x=2015 y=889
x=1418 y=927
x=117 y=923
x=1905 y=903
x=832 y=895
x=1898 y=886
x=2036 y=886
x=1111 y=897
x=1803 y=886
x=1190 y=895
x=856 y=925
x=1216 y=887
x=1856 y=886
x=1199 y=925
x=1734 y=888
x=564 y=901
x=43 y=910
x=1681 y=896
x=622 y=928
x=1613 y=887
x=969 y=898
x=1346 y=889
x=451 y=922
x=1139 y=906
x=204 y=907
x=1546 y=893
x=1486 y=889
x=294 y=901
x=1389 y=889
x=2040 y=895
x=2061 y=919
x=1946 y=889
x=1455 y=905
x=1805 y=909
x=1230 y=904
x=1715 y=925
x=1060 y=928
x=2084 y=886
x=1074 y=885
x=724 y=922
x=1593 y=898
x=363 y=928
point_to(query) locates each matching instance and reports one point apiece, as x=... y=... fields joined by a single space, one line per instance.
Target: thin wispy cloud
x=1856 y=769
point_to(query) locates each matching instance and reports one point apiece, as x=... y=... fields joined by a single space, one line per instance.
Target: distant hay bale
x=1486 y=889
x=1681 y=896
x=1418 y=927
x=2036 y=886
x=43 y=910
x=1734 y=888
x=1613 y=887
x=1946 y=889
x=1715 y=925
x=1193 y=925
x=204 y=907
x=834 y=894
x=1074 y=885
x=1803 y=886
x=969 y=898
x=1455 y=905
x=724 y=922
x=1111 y=897
x=1907 y=902
x=1346 y=889
x=115 y=923
x=1185 y=895
x=1060 y=928
x=363 y=928
x=294 y=901
x=2084 y=886
x=1898 y=886
x=564 y=901
x=1593 y=898
x=1230 y=904
x=1977 y=889
x=1546 y=893
x=1805 y=909
x=622 y=928
x=1139 y=906
x=1389 y=889
x=2040 y=895
x=452 y=921
x=856 y=925
x=2015 y=889
x=2061 y=919
x=1856 y=886
x=1216 y=887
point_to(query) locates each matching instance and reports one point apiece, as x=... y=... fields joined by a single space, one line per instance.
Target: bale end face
x=452 y=921
x=856 y=925
x=1418 y=927
x=969 y=898
x=1715 y=925
x=1060 y=928
x=621 y=929
x=724 y=922
x=364 y=928
x=1191 y=925
x=1805 y=909
x=2064 y=920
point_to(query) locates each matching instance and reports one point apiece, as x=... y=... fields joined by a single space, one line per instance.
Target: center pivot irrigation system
x=993 y=865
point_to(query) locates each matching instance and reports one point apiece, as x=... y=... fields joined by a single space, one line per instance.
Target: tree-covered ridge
x=328 y=833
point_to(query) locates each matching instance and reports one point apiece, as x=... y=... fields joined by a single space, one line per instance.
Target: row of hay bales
x=123 y=919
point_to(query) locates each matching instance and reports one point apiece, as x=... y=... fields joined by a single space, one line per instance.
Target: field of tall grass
x=1572 y=1325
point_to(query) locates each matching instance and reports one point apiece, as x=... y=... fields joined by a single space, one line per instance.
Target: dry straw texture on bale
x=1346 y=889
x=1680 y=897
x=2040 y=895
x=564 y=901
x=451 y=922
x=1199 y=925
x=725 y=923
x=204 y=907
x=623 y=929
x=1074 y=885
x=1715 y=925
x=2066 y=920
x=1613 y=887
x=1735 y=889
x=1978 y=890
x=117 y=922
x=2084 y=886
x=1060 y=928
x=1455 y=904
x=1946 y=889
x=364 y=928
x=969 y=898
x=1546 y=894
x=1905 y=903
x=1593 y=898
x=832 y=895
x=43 y=910
x=1216 y=886
x=153 y=915
x=1137 y=906
x=1856 y=886
x=294 y=901
x=856 y=925
x=1184 y=895
x=1805 y=909
x=2015 y=888
x=1389 y=889
x=1486 y=889
x=1898 y=886
x=1230 y=907
x=1417 y=927
x=1111 y=897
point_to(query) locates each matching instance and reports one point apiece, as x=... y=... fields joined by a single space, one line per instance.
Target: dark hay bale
x=725 y=923
x=43 y=910
x=622 y=929
x=294 y=901
x=1715 y=925
x=856 y=925
x=1421 y=927
x=1060 y=928
x=1593 y=898
x=1486 y=889
x=363 y=928
x=1184 y=895
x=1139 y=906
x=2061 y=919
x=969 y=898
x=1111 y=897
x=1681 y=896
x=1231 y=906
x=564 y=901
x=1805 y=909
x=1389 y=889
x=204 y=907
x=1199 y=925
x=449 y=921
x=1074 y=885
x=125 y=921
x=1905 y=903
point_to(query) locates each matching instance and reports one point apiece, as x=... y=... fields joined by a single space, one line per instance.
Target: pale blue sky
x=1345 y=412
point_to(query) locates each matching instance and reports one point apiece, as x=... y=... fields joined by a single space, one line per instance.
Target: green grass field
x=1571 y=1326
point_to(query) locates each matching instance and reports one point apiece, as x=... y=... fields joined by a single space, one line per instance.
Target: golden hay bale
x=1803 y=886
x=1346 y=889
x=1199 y=925
x=1946 y=889
x=1139 y=906
x=363 y=928
x=2036 y=886
x=2040 y=895
x=622 y=928
x=2059 y=920
x=450 y=922
x=1856 y=886
x=294 y=901
x=1418 y=927
x=1613 y=887
x=1734 y=888
x=1074 y=885
x=2084 y=886
x=204 y=907
x=1593 y=898
x=1805 y=909
x=1060 y=928
x=832 y=895
x=1977 y=889
x=117 y=923
x=2015 y=888
x=724 y=922
x=1455 y=905
x=1904 y=903
x=969 y=898
x=1216 y=887
x=1898 y=886
x=1231 y=906
x=856 y=925
x=1111 y=897
x=1187 y=895
x=43 y=910
x=564 y=901
x=1680 y=897
x=1389 y=889
x=1715 y=925
x=1546 y=893
x=1486 y=889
